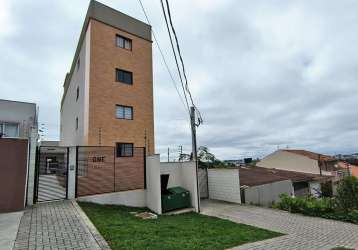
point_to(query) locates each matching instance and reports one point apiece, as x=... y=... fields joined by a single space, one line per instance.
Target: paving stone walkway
x=302 y=232
x=57 y=225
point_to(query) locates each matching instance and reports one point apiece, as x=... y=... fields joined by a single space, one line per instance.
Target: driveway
x=57 y=225
x=302 y=232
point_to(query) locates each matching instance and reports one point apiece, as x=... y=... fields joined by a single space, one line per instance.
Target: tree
x=347 y=193
x=207 y=159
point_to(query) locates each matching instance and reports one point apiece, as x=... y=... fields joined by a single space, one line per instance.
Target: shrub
x=326 y=189
x=347 y=193
x=306 y=205
x=320 y=207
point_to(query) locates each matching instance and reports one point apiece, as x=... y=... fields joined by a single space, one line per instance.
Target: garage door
x=13 y=167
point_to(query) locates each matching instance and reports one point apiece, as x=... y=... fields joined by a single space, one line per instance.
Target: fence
x=99 y=170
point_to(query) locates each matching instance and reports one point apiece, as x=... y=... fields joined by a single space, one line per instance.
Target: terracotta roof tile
x=311 y=155
x=254 y=176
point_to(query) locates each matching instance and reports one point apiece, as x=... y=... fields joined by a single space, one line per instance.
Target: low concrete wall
x=154 y=198
x=182 y=174
x=224 y=184
x=267 y=194
x=135 y=198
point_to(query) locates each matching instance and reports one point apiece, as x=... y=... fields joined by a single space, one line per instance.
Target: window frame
x=119 y=149
x=124 y=42
x=124 y=72
x=125 y=106
x=3 y=128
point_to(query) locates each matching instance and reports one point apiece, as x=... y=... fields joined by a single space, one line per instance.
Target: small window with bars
x=124 y=149
x=123 y=42
x=124 y=112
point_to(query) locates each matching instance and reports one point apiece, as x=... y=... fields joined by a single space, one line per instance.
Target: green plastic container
x=175 y=197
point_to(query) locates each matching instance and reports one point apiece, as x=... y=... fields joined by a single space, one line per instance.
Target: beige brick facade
x=105 y=92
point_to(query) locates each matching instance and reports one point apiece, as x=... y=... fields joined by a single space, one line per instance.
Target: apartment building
x=108 y=93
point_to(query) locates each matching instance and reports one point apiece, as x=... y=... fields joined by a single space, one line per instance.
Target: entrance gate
x=51 y=173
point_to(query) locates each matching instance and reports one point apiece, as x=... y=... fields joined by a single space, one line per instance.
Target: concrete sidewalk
x=302 y=232
x=57 y=225
x=9 y=224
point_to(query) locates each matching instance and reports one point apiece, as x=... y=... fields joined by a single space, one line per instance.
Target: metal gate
x=51 y=173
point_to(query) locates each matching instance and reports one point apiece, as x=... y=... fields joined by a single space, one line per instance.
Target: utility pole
x=168 y=154
x=195 y=152
x=180 y=153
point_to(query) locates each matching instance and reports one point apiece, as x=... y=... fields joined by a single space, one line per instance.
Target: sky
x=265 y=74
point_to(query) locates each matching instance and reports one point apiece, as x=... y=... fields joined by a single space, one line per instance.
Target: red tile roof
x=354 y=170
x=311 y=155
x=254 y=176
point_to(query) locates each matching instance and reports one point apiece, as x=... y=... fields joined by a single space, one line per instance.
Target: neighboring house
x=300 y=161
x=18 y=129
x=351 y=169
x=17 y=119
x=263 y=186
x=108 y=93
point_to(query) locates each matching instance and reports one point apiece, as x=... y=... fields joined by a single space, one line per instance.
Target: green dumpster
x=175 y=197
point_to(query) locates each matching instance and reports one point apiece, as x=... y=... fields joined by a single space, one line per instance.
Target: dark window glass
x=124 y=112
x=78 y=64
x=124 y=76
x=124 y=149
x=123 y=42
x=77 y=93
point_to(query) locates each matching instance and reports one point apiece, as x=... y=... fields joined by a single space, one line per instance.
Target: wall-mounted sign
x=96 y=161
x=98 y=158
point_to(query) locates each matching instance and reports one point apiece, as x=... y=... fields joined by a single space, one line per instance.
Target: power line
x=181 y=59
x=163 y=58
x=175 y=56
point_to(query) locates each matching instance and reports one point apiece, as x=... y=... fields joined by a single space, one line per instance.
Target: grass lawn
x=123 y=230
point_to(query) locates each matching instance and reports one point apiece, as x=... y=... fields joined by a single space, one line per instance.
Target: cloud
x=265 y=74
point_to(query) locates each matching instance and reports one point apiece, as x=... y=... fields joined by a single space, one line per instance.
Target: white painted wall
x=290 y=161
x=224 y=184
x=133 y=198
x=182 y=174
x=154 y=198
x=71 y=184
x=267 y=194
x=71 y=108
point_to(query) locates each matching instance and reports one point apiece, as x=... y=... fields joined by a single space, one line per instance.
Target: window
x=123 y=42
x=77 y=93
x=124 y=149
x=76 y=123
x=124 y=76
x=78 y=64
x=8 y=129
x=124 y=112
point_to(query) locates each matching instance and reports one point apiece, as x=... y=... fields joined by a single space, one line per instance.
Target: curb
x=92 y=229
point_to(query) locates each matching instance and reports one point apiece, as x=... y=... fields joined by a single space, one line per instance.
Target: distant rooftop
x=311 y=155
x=254 y=176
